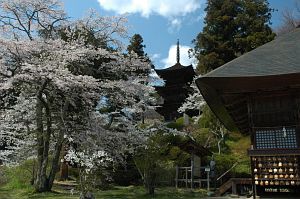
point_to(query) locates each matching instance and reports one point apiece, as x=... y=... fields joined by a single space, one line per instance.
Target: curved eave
x=214 y=101
x=252 y=83
x=165 y=73
x=213 y=88
x=176 y=66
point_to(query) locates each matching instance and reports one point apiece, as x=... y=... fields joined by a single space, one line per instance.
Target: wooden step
x=231 y=183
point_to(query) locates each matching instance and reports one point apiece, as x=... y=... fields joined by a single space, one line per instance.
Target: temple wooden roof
x=271 y=67
x=191 y=146
x=280 y=56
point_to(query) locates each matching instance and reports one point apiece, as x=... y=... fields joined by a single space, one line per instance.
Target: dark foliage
x=136 y=45
x=232 y=28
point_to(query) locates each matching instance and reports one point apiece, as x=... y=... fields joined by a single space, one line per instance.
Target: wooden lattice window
x=276 y=138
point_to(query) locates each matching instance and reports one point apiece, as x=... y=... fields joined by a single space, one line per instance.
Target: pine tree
x=136 y=45
x=233 y=27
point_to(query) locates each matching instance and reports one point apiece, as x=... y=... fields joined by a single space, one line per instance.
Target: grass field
x=15 y=184
x=130 y=192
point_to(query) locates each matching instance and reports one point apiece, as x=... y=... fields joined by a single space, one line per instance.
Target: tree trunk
x=151 y=190
x=149 y=181
x=33 y=173
x=219 y=147
x=56 y=159
x=58 y=146
x=41 y=177
x=43 y=138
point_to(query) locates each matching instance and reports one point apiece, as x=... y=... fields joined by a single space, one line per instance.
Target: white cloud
x=155 y=56
x=165 y=8
x=175 y=25
x=184 y=57
x=201 y=17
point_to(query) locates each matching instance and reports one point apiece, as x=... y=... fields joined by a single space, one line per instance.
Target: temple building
x=258 y=93
x=177 y=80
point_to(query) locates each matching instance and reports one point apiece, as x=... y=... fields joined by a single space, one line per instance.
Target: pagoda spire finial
x=178 y=52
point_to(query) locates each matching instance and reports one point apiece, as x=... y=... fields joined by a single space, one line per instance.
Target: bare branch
x=27 y=18
x=290 y=19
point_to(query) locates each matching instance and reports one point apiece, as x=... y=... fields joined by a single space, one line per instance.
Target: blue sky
x=162 y=22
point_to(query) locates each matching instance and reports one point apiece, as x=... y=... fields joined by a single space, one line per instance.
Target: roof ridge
x=283 y=50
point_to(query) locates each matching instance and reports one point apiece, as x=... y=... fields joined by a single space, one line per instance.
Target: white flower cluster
x=87 y=160
x=194 y=101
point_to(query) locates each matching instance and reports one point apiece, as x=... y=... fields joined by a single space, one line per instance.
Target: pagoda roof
x=176 y=71
x=273 y=66
x=174 y=67
x=171 y=91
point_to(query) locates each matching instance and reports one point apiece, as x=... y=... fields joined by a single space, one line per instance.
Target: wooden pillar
x=176 y=177
x=192 y=170
x=208 y=183
x=253 y=141
x=233 y=185
x=200 y=182
x=186 y=177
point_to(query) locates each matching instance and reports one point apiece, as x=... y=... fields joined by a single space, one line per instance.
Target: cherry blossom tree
x=43 y=81
x=47 y=101
x=194 y=101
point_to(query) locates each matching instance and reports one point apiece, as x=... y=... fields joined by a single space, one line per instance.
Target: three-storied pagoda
x=259 y=94
x=176 y=89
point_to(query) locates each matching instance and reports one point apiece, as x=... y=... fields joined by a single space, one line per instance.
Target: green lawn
x=130 y=192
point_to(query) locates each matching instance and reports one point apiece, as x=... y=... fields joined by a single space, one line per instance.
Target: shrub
x=19 y=177
x=3 y=175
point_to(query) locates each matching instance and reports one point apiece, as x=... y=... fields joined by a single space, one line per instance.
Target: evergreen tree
x=136 y=45
x=233 y=27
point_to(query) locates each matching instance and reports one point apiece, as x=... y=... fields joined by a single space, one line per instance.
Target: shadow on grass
x=130 y=192
x=28 y=193
x=5 y=194
x=139 y=193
